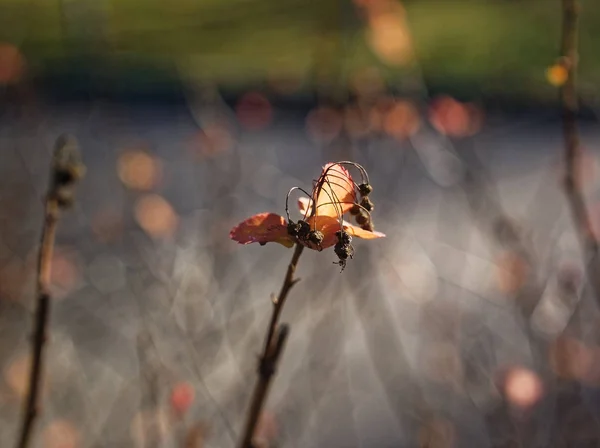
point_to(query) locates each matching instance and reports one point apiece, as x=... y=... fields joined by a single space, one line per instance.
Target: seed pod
x=362 y=218
x=366 y=203
x=343 y=237
x=343 y=249
x=293 y=228
x=368 y=226
x=315 y=237
x=365 y=189
x=303 y=230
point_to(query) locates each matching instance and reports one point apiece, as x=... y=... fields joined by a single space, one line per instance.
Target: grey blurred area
x=443 y=334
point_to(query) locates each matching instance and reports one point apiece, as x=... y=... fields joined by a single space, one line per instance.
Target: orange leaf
x=327 y=226
x=334 y=191
x=360 y=233
x=262 y=228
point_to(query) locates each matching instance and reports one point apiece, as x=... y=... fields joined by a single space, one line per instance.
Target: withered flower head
x=322 y=225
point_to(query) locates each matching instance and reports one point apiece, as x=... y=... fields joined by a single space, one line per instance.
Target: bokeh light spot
x=511 y=272
x=139 y=170
x=254 y=111
x=214 y=139
x=61 y=434
x=453 y=118
x=12 y=64
x=557 y=75
x=388 y=32
x=574 y=360
x=378 y=113
x=182 y=397
x=156 y=216
x=402 y=120
x=523 y=388
x=324 y=124
x=65 y=274
x=16 y=375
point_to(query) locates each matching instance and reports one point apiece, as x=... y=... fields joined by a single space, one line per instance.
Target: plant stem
x=66 y=170
x=570 y=108
x=41 y=319
x=274 y=344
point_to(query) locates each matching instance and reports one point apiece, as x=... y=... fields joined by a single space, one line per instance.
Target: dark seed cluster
x=67 y=169
x=362 y=211
x=343 y=248
x=302 y=232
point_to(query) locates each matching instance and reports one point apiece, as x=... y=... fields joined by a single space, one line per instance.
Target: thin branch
x=279 y=301
x=66 y=170
x=274 y=344
x=570 y=108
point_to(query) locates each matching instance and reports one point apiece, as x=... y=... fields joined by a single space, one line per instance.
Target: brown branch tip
x=66 y=170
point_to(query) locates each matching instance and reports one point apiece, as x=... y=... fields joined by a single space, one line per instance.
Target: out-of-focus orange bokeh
x=65 y=271
x=16 y=375
x=511 y=272
x=454 y=118
x=254 y=111
x=575 y=360
x=12 y=64
x=61 y=434
x=402 y=120
x=388 y=32
x=156 y=216
x=214 y=139
x=324 y=123
x=139 y=170
x=557 y=75
x=522 y=387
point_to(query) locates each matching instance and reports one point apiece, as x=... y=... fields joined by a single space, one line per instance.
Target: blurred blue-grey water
x=456 y=330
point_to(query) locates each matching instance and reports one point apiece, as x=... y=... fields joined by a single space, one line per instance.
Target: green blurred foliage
x=481 y=45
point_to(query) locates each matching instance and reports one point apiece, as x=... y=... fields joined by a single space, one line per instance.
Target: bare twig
x=274 y=343
x=570 y=108
x=66 y=170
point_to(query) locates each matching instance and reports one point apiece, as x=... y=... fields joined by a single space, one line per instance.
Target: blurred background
x=470 y=325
